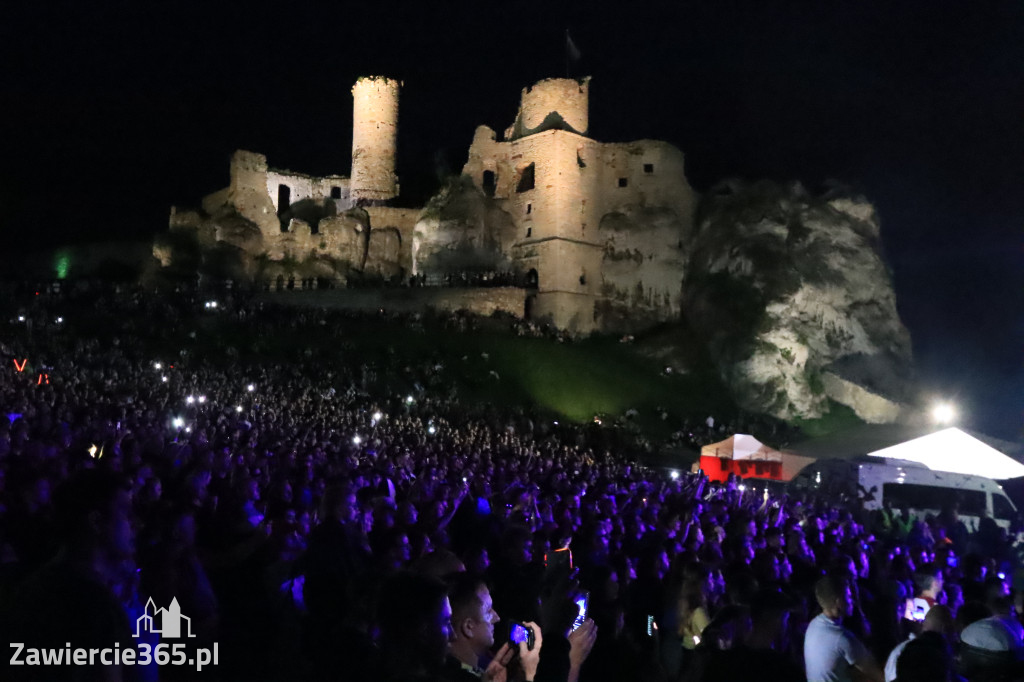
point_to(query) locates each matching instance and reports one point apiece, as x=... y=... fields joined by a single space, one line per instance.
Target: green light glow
x=62 y=265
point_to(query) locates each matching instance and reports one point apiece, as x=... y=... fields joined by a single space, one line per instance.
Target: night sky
x=114 y=111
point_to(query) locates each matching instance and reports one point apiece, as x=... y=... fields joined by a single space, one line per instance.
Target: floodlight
x=674 y=474
x=356 y=439
x=943 y=413
x=190 y=399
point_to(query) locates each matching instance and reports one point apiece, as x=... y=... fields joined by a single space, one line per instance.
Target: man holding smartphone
x=473 y=621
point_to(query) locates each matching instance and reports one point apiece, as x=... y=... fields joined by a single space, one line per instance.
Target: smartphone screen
x=582 y=603
x=650 y=626
x=519 y=634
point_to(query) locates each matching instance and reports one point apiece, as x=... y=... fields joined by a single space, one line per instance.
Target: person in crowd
x=285 y=499
x=929 y=658
x=415 y=621
x=830 y=650
x=71 y=601
x=928 y=588
x=473 y=620
x=990 y=650
x=939 y=619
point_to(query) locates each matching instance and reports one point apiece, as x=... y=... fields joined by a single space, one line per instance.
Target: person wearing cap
x=830 y=650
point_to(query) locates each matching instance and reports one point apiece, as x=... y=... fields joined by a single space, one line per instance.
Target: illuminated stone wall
x=374 y=138
x=301 y=186
x=606 y=226
x=563 y=103
x=479 y=301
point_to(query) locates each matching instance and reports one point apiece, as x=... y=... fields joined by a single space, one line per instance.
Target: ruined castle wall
x=486 y=154
x=248 y=170
x=302 y=186
x=572 y=312
x=217 y=203
x=645 y=173
x=403 y=222
x=647 y=223
x=344 y=238
x=483 y=301
x=374 y=138
x=568 y=98
x=248 y=191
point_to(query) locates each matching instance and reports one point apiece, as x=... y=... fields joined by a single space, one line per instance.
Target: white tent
x=957 y=452
x=741 y=446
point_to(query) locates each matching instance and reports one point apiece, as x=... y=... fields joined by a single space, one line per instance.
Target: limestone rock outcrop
x=461 y=229
x=786 y=287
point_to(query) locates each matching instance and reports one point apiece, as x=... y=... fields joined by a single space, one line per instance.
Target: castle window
x=579 y=160
x=526 y=178
x=489 y=183
x=284 y=197
x=529 y=232
x=623 y=182
x=529 y=209
x=335 y=192
x=648 y=168
x=583 y=278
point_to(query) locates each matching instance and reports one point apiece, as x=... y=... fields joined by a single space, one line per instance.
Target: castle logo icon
x=169 y=619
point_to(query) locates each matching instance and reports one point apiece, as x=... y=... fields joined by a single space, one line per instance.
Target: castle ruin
x=595 y=232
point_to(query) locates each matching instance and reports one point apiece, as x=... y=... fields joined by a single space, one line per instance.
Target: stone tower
x=553 y=104
x=374 y=139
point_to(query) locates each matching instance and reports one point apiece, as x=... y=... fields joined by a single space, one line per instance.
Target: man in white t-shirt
x=830 y=650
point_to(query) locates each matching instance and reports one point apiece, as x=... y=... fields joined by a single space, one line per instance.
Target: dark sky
x=113 y=111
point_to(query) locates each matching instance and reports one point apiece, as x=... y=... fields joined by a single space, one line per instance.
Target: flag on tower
x=572 y=53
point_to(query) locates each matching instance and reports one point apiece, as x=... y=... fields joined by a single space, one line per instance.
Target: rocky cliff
x=791 y=294
x=462 y=230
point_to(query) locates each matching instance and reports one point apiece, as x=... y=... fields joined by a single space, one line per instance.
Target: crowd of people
x=322 y=516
